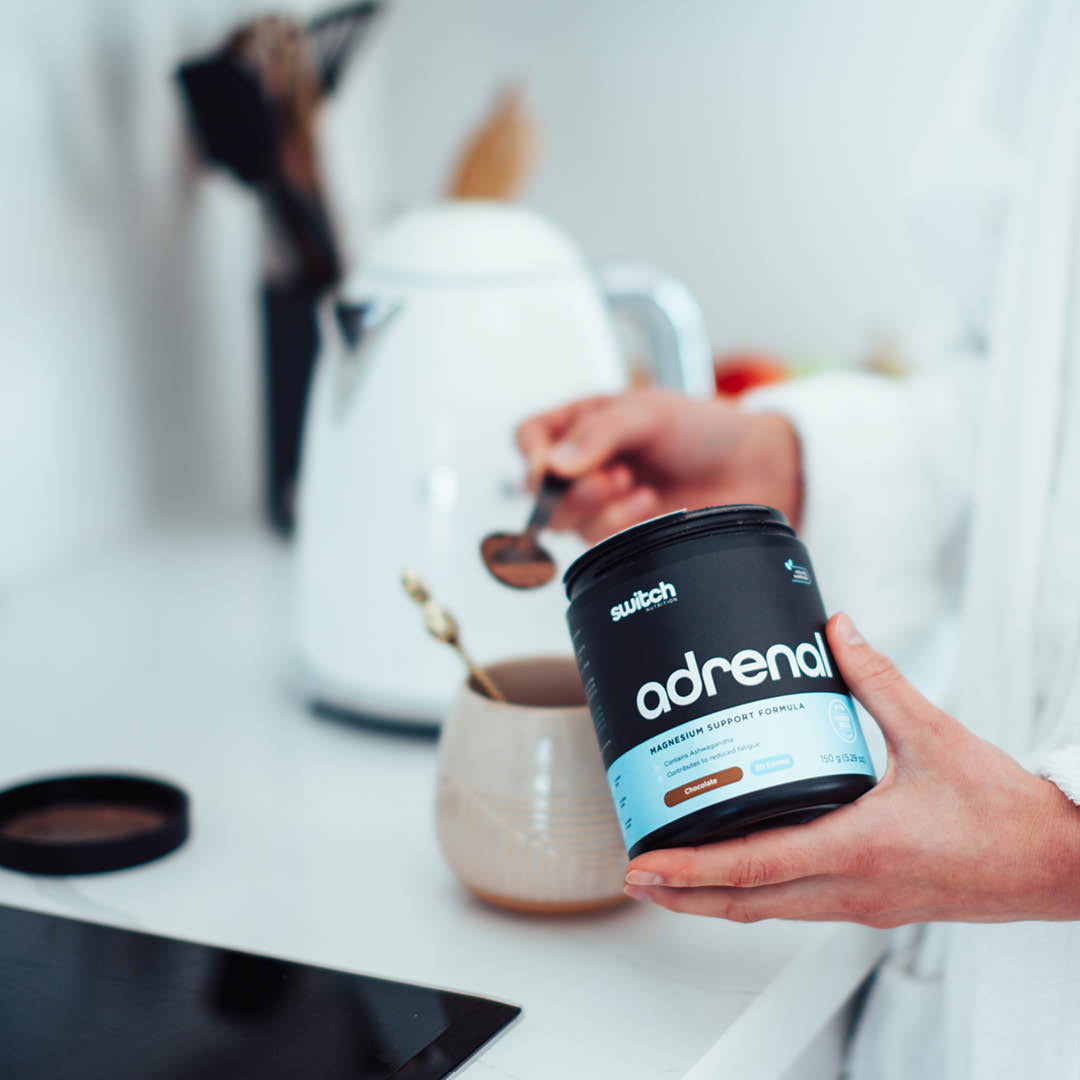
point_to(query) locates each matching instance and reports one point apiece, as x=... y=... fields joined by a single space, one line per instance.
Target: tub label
x=732 y=752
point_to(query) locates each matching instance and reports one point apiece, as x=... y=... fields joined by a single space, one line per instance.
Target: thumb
x=899 y=709
x=619 y=425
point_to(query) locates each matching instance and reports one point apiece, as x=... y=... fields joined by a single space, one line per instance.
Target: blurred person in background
x=974 y=829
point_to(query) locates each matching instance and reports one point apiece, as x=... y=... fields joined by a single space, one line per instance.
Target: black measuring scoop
x=517 y=559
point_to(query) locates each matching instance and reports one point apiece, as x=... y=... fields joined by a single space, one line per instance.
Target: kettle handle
x=666 y=311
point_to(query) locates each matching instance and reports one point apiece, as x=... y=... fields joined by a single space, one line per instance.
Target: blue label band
x=733 y=752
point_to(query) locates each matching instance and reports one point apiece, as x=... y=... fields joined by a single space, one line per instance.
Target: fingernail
x=846 y=629
x=643 y=877
x=635 y=894
x=564 y=455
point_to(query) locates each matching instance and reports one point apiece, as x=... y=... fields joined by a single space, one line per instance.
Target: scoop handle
x=552 y=489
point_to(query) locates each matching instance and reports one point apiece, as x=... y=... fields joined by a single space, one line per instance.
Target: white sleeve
x=887 y=468
x=1062 y=767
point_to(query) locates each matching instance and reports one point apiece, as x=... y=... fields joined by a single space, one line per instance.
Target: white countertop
x=313 y=840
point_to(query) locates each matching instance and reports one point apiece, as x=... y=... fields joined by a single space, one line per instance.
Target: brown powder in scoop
x=519 y=566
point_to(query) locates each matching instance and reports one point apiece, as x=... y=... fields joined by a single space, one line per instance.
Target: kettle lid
x=469 y=239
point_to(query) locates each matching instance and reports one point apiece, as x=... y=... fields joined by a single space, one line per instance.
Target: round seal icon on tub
x=843 y=723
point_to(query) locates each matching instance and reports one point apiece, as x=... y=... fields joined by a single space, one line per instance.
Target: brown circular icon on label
x=706 y=783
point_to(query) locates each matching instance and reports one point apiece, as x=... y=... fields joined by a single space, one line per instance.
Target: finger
x=595 y=436
x=588 y=496
x=833 y=844
x=870 y=906
x=833 y=898
x=536 y=435
x=641 y=504
x=899 y=709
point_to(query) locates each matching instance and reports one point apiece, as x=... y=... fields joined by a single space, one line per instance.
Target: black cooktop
x=78 y=1000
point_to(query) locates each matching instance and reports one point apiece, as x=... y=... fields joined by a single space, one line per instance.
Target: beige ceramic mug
x=523 y=811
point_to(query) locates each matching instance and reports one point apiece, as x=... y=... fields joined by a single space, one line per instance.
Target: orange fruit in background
x=737 y=372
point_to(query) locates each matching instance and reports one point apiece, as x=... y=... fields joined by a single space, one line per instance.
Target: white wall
x=756 y=148
x=129 y=377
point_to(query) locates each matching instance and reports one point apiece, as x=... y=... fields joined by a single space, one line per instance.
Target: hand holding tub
x=956 y=830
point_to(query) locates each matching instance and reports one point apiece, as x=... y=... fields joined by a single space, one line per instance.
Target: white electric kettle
x=465 y=318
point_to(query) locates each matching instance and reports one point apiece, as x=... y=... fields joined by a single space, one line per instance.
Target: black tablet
x=78 y=1000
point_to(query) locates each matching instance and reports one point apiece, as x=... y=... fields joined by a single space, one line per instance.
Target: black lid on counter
x=91 y=823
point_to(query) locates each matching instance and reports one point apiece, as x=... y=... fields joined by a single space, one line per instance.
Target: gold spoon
x=442 y=626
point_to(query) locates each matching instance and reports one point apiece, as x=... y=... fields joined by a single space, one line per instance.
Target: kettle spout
x=350 y=320
x=357 y=318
